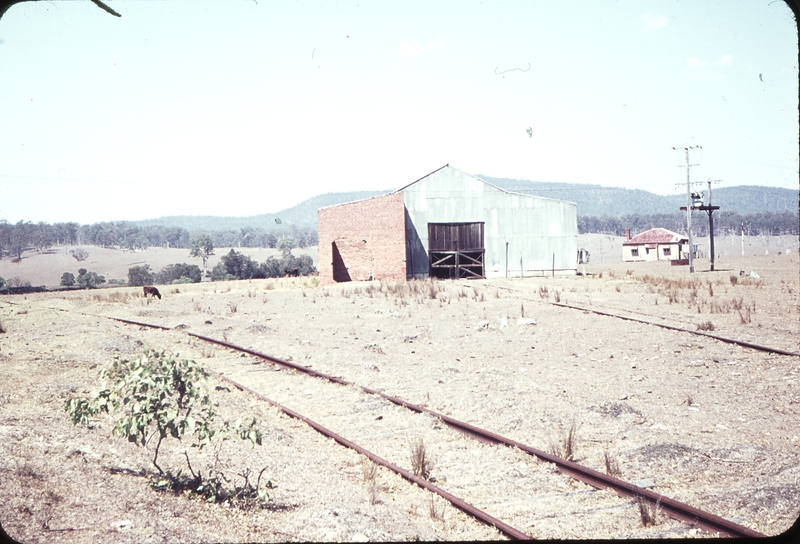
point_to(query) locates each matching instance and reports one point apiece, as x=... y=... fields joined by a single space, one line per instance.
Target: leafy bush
x=79 y=254
x=89 y=280
x=140 y=275
x=174 y=273
x=220 y=273
x=2 y=282
x=158 y=396
x=68 y=279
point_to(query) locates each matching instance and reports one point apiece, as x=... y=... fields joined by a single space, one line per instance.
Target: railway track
x=670 y=507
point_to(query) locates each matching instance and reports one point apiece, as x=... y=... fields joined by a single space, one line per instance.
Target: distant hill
x=596 y=200
x=302 y=215
x=592 y=200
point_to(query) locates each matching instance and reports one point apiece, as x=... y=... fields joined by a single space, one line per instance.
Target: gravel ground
x=705 y=422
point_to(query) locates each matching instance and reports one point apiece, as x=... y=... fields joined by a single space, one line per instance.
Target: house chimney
x=627 y=234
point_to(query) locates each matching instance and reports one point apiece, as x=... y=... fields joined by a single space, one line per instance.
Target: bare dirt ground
x=708 y=423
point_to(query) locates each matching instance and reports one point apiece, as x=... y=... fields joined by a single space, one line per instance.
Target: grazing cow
x=152 y=291
x=293 y=272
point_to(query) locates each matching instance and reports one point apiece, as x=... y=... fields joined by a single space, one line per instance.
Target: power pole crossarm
x=689 y=203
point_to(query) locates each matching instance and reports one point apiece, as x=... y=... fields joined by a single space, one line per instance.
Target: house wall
x=654 y=255
x=362 y=240
x=540 y=232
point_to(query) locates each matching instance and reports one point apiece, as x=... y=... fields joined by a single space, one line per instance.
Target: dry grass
x=706 y=326
x=649 y=512
x=566 y=446
x=114 y=296
x=421 y=462
x=612 y=464
x=434 y=512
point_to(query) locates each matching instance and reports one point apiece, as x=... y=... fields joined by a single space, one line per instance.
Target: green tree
x=79 y=254
x=89 y=280
x=241 y=266
x=203 y=247
x=140 y=275
x=67 y=279
x=182 y=272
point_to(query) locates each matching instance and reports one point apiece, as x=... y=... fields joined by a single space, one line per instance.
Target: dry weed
x=566 y=446
x=649 y=511
x=707 y=326
x=612 y=464
x=421 y=462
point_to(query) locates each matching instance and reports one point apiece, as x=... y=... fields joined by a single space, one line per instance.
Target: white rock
x=522 y=321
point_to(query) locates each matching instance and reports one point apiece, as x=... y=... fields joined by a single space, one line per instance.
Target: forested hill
x=592 y=201
x=302 y=215
x=596 y=200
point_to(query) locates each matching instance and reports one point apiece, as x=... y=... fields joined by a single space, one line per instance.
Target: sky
x=238 y=108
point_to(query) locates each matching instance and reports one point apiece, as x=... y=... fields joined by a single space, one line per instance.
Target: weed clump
x=421 y=462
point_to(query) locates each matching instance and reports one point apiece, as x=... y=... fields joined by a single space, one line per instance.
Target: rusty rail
x=670 y=507
x=679 y=329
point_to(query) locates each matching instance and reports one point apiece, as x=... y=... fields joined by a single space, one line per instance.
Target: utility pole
x=689 y=203
x=710 y=210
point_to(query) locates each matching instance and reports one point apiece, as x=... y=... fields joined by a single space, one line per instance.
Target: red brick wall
x=363 y=239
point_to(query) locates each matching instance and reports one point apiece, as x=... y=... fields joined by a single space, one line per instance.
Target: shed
x=654 y=245
x=448 y=224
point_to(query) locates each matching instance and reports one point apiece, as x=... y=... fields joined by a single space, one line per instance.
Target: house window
x=667 y=252
x=634 y=252
x=647 y=250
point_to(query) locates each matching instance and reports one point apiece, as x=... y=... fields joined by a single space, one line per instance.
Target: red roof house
x=654 y=245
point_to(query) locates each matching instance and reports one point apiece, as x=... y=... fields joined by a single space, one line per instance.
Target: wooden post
x=554 y=265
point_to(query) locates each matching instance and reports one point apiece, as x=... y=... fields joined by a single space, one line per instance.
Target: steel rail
x=459 y=503
x=674 y=509
x=670 y=507
x=741 y=343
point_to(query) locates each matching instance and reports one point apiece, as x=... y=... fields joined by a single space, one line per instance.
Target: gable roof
x=478 y=178
x=656 y=236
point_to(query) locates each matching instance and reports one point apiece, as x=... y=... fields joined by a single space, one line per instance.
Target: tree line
x=725 y=223
x=15 y=238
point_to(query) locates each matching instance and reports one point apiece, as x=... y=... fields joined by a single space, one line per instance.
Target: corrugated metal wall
x=524 y=235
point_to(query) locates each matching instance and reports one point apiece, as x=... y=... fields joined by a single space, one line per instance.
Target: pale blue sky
x=247 y=107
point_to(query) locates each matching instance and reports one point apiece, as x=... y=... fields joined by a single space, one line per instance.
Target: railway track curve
x=670 y=507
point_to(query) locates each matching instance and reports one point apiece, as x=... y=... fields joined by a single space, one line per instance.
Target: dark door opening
x=456 y=250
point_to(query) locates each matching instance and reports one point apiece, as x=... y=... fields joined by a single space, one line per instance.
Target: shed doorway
x=456 y=250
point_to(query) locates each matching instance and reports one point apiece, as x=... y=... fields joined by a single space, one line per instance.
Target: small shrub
x=67 y=279
x=157 y=396
x=232 y=306
x=707 y=326
x=79 y=254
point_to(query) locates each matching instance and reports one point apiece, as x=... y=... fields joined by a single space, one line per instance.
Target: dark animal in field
x=293 y=272
x=152 y=291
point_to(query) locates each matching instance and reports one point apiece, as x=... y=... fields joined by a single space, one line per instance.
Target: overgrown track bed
x=695 y=417
x=672 y=508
